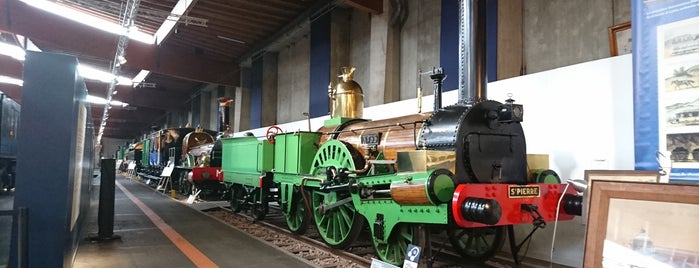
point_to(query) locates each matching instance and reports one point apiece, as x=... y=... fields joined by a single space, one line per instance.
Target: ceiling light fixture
x=90 y=20
x=12 y=51
x=89 y=72
x=86 y=71
x=231 y=39
x=10 y=80
x=166 y=28
x=140 y=77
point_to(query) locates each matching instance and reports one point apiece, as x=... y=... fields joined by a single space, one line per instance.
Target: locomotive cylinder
x=436 y=188
x=347 y=97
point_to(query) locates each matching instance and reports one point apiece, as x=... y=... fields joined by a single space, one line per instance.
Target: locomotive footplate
x=479 y=205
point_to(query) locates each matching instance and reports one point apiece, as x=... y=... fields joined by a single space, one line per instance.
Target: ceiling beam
x=371 y=6
x=17 y=17
x=162 y=100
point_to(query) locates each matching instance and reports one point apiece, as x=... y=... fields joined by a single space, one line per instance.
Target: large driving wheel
x=477 y=244
x=338 y=225
x=237 y=198
x=393 y=249
x=297 y=217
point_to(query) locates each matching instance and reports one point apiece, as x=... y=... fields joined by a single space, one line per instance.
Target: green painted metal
x=392 y=212
x=120 y=153
x=393 y=249
x=145 y=153
x=338 y=226
x=293 y=155
x=443 y=186
x=336 y=121
x=332 y=153
x=245 y=159
x=294 y=152
x=294 y=208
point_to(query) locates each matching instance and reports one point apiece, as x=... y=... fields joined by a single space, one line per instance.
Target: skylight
x=90 y=20
x=172 y=19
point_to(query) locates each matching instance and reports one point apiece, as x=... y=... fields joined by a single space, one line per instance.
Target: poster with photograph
x=678 y=68
x=666 y=86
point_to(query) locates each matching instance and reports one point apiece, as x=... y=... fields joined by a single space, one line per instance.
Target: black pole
x=105 y=215
x=22 y=237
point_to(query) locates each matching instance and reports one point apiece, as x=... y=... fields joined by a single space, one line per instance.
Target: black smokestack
x=472 y=75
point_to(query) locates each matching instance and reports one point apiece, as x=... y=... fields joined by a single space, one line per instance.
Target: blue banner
x=665 y=36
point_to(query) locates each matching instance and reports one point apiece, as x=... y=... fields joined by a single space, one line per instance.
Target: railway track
x=310 y=246
x=360 y=254
x=301 y=246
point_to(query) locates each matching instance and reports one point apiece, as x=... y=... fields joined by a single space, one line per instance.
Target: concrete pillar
x=384 y=75
x=242 y=97
x=419 y=46
x=510 y=47
x=269 y=89
x=293 y=81
x=204 y=110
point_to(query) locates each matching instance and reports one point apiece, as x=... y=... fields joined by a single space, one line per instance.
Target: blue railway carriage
x=8 y=140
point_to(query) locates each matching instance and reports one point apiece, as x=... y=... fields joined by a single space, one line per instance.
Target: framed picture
x=615 y=175
x=620 y=39
x=635 y=224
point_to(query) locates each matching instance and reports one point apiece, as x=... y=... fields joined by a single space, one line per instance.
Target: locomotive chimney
x=472 y=76
x=223 y=112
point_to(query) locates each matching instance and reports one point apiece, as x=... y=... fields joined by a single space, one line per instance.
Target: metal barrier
x=19 y=218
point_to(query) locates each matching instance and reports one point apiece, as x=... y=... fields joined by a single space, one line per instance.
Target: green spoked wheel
x=338 y=226
x=477 y=244
x=237 y=198
x=393 y=249
x=297 y=217
x=337 y=220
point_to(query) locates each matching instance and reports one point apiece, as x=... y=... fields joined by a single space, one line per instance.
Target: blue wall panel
x=54 y=164
x=256 y=93
x=449 y=44
x=320 y=65
x=449 y=41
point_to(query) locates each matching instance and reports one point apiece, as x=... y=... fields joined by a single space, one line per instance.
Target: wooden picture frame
x=642 y=224
x=615 y=175
x=620 y=39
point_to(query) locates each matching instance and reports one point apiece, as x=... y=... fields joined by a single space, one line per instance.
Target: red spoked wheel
x=271 y=132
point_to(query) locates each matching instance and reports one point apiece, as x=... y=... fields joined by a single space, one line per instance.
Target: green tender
x=246 y=158
x=294 y=152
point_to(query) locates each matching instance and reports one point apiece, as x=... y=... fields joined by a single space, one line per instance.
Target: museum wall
x=559 y=33
x=293 y=80
x=534 y=36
